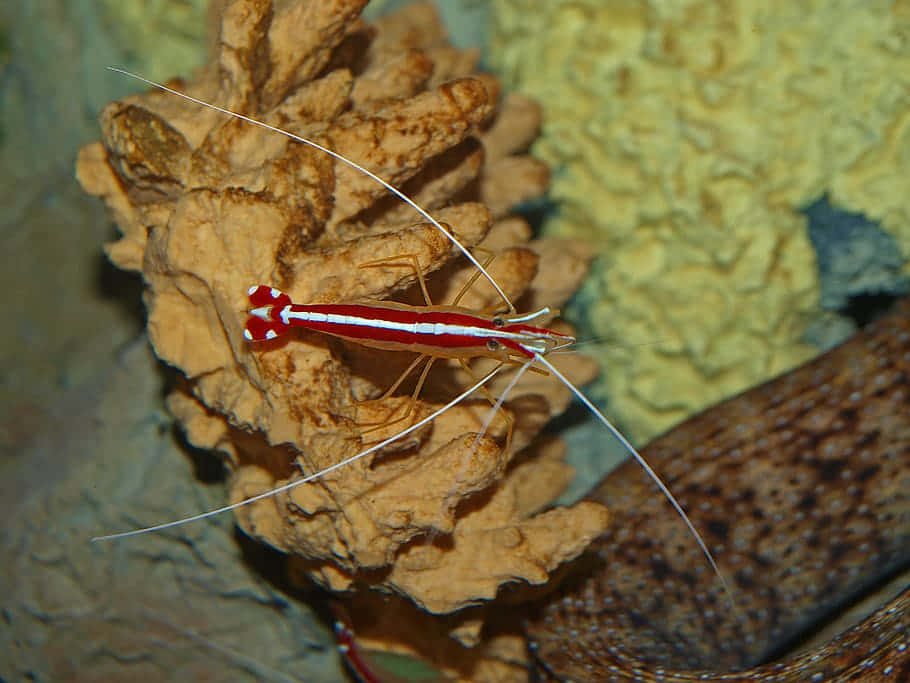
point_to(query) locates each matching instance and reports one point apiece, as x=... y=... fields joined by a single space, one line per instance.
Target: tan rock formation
x=209 y=205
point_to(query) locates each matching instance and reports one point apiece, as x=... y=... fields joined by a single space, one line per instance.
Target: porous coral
x=209 y=205
x=687 y=135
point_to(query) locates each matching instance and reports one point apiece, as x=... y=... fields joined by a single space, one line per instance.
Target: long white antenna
x=299 y=482
x=644 y=465
x=537 y=356
x=335 y=155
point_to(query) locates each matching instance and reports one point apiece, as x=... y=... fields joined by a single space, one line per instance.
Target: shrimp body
x=436 y=331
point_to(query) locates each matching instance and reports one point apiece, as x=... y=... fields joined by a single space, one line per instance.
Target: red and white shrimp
x=432 y=331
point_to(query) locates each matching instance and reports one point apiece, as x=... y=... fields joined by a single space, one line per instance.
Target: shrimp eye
x=492 y=345
x=498 y=322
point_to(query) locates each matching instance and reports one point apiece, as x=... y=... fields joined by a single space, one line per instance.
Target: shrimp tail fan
x=265 y=322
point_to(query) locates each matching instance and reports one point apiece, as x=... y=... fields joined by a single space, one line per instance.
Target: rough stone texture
x=85 y=447
x=190 y=605
x=856 y=257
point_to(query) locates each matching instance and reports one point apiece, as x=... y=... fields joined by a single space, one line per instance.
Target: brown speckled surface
x=801 y=489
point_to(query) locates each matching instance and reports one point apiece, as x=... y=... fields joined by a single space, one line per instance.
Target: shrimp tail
x=265 y=322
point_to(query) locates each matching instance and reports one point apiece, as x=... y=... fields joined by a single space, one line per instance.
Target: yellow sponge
x=685 y=136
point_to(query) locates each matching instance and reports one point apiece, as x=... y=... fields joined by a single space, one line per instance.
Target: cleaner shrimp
x=432 y=331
